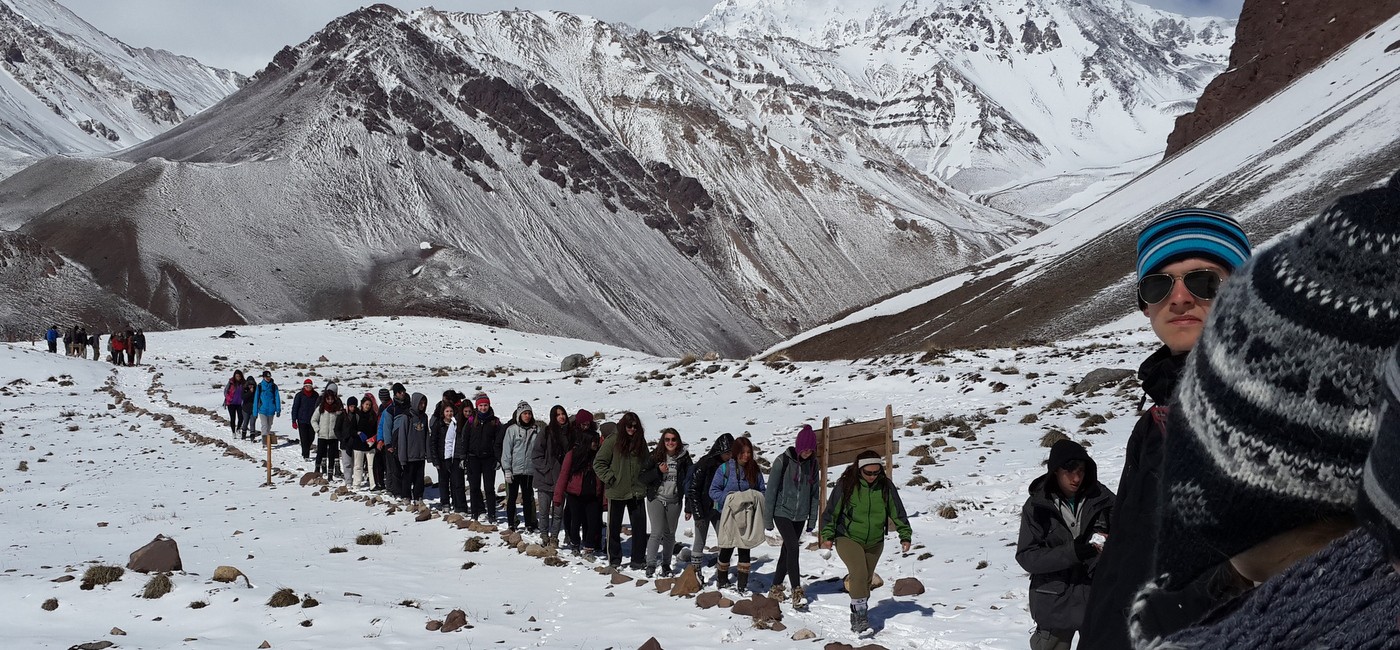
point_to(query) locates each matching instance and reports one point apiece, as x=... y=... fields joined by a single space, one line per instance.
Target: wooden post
x=889 y=441
x=826 y=455
x=267 y=440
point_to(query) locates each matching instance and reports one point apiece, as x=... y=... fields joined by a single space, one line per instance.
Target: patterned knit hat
x=1274 y=413
x=1380 y=484
x=1191 y=232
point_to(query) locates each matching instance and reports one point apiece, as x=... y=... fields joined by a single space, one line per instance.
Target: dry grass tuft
x=370 y=539
x=285 y=597
x=159 y=585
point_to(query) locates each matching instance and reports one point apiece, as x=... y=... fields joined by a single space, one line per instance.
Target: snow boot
x=743 y=573
x=722 y=575
x=799 y=599
x=651 y=570
x=860 y=616
x=777 y=593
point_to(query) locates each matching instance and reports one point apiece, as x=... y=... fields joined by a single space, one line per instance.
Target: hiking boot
x=860 y=618
x=722 y=575
x=651 y=570
x=666 y=571
x=778 y=593
x=743 y=573
x=799 y=599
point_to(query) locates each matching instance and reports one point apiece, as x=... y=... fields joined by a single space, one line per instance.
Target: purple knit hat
x=806 y=439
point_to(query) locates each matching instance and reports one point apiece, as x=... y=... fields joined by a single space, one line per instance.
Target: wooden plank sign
x=840 y=445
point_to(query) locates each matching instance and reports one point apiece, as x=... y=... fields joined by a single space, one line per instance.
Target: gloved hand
x=294 y=425
x=1084 y=549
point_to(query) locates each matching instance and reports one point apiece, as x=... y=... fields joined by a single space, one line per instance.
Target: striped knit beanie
x=1274 y=414
x=1191 y=232
x=1380 y=483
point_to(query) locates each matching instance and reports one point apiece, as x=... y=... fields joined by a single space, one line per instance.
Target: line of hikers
x=123 y=348
x=568 y=470
x=1259 y=502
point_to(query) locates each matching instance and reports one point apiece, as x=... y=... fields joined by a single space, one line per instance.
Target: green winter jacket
x=861 y=517
x=620 y=474
x=793 y=490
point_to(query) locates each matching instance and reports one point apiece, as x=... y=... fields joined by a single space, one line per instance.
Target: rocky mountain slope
x=66 y=87
x=695 y=189
x=1333 y=131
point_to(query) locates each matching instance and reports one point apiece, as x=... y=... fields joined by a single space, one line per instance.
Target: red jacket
x=574 y=483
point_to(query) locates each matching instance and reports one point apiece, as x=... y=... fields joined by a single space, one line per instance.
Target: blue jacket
x=728 y=480
x=51 y=336
x=266 y=399
x=304 y=406
x=393 y=421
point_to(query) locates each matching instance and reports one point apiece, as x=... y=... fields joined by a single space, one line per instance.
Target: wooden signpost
x=840 y=445
x=268 y=440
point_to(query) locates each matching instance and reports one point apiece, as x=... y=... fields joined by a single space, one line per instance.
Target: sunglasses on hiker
x=1204 y=284
x=870 y=473
x=670 y=439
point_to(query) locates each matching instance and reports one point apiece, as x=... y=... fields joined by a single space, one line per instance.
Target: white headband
x=865 y=462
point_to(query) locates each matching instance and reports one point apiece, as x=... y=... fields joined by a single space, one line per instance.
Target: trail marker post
x=841 y=444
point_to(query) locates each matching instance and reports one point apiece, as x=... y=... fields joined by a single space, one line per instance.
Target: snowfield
x=97 y=461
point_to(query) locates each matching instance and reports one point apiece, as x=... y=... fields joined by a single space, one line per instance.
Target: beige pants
x=860 y=563
x=364 y=467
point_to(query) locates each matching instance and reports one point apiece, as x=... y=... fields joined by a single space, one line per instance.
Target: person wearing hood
x=698 y=504
x=1066 y=508
x=392 y=422
x=411 y=443
x=666 y=476
x=233 y=401
x=516 y=452
x=793 y=503
x=443 y=425
x=1184 y=256
x=546 y=461
x=584 y=491
x=303 y=407
x=478 y=451
x=267 y=404
x=250 y=390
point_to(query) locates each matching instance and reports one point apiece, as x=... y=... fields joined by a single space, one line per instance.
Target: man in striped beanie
x=1273 y=422
x=1183 y=258
x=1380 y=482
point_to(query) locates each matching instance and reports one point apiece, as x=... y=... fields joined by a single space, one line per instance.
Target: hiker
x=379 y=462
x=130 y=348
x=412 y=445
x=619 y=465
x=665 y=475
x=586 y=500
x=95 y=342
x=52 y=337
x=250 y=389
x=325 y=421
x=68 y=341
x=233 y=401
x=699 y=506
x=854 y=522
x=792 y=505
x=1183 y=258
x=1280 y=403
x=442 y=450
x=737 y=482
x=303 y=407
x=392 y=420
x=267 y=404
x=479 y=451
x=546 y=461
x=347 y=438
x=138 y=346
x=367 y=429
x=516 y=451
x=1066 y=508
x=117 y=344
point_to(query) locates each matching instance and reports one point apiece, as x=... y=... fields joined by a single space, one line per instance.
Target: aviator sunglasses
x=1204 y=284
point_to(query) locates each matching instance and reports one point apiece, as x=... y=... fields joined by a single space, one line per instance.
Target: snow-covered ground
x=105 y=471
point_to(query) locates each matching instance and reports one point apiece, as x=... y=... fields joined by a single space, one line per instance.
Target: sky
x=244 y=35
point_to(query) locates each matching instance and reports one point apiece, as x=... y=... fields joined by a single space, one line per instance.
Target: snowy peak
x=69 y=88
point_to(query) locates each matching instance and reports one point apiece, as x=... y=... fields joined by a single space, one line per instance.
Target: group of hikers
x=567 y=471
x=123 y=348
x=1259 y=501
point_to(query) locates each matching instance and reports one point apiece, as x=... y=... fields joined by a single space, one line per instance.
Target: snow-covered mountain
x=66 y=87
x=1330 y=132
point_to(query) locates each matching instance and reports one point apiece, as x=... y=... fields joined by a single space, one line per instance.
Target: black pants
x=53 y=346
x=247 y=422
x=452 y=485
x=235 y=417
x=481 y=474
x=636 y=515
x=413 y=479
x=393 y=472
x=308 y=436
x=381 y=460
x=327 y=451
x=787 y=558
x=726 y=554
x=584 y=513
x=523 y=487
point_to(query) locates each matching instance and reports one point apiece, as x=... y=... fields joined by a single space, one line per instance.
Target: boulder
x=651 y=644
x=804 y=634
x=434 y=626
x=160 y=555
x=456 y=620
x=908 y=587
x=687 y=583
x=573 y=362
x=620 y=578
x=535 y=550
x=708 y=599
x=310 y=478
x=1100 y=377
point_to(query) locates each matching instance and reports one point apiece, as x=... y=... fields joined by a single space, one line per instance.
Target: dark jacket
x=347 y=431
x=411 y=442
x=794 y=492
x=652 y=477
x=1125 y=564
x=304 y=406
x=1061 y=562
x=620 y=472
x=480 y=438
x=547 y=459
x=697 y=497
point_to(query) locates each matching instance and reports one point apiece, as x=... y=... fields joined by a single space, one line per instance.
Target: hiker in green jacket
x=619 y=466
x=855 y=522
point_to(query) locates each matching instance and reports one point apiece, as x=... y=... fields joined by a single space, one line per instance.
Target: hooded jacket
x=411 y=441
x=519 y=445
x=480 y=438
x=547 y=458
x=697 y=496
x=1052 y=545
x=578 y=482
x=728 y=480
x=267 y=400
x=620 y=472
x=325 y=422
x=794 y=491
x=862 y=515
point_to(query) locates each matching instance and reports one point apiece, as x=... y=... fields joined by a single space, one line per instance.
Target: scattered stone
x=619 y=578
x=227 y=573
x=265 y=644
x=306 y=623
x=908 y=587
x=761 y=608
x=160 y=555
x=836 y=645
x=804 y=634
x=63 y=579
x=322 y=359
x=708 y=599
x=49 y=605
x=94 y=645
x=423 y=515
x=651 y=644
x=725 y=603
x=456 y=620
x=777 y=627
x=687 y=584
x=573 y=362
x=555 y=560
x=307 y=602
x=535 y=550
x=312 y=478
x=454 y=518
x=473 y=544
x=434 y=626
x=116 y=631
x=664 y=585
x=101 y=524
x=1100 y=377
